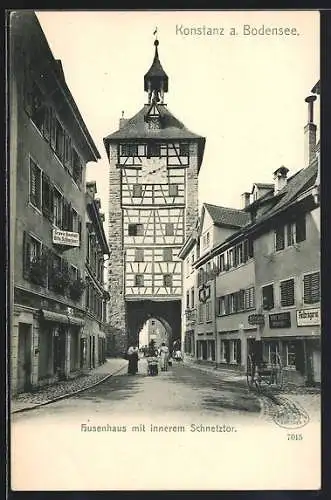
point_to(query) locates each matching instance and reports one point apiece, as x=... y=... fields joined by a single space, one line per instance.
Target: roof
x=301 y=180
x=225 y=216
x=136 y=128
x=34 y=40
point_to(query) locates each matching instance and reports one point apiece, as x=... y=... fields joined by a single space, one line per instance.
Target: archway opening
x=156 y=330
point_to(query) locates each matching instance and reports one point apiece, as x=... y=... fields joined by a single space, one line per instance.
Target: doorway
x=59 y=350
x=24 y=365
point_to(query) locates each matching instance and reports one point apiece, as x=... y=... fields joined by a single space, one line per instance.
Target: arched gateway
x=153 y=206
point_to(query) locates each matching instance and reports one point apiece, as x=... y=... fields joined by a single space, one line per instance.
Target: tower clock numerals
x=154 y=171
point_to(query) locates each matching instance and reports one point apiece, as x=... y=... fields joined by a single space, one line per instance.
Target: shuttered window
x=183 y=150
x=136 y=229
x=300 y=229
x=192 y=298
x=31 y=252
x=249 y=298
x=153 y=149
x=139 y=280
x=139 y=255
x=311 y=288
x=250 y=248
x=137 y=191
x=167 y=280
x=268 y=297
x=208 y=311
x=280 y=238
x=187 y=300
x=76 y=167
x=129 y=149
x=173 y=189
x=59 y=140
x=47 y=197
x=35 y=184
x=287 y=293
x=169 y=229
x=167 y=254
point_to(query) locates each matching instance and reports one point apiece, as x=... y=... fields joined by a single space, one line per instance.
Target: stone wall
x=116 y=305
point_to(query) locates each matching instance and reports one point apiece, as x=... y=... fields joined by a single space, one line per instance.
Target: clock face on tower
x=154 y=171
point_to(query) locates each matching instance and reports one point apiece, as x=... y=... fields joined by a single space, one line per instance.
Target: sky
x=244 y=92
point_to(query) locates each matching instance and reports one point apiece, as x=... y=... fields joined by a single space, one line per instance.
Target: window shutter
x=311 y=288
x=26 y=254
x=250 y=248
x=47 y=123
x=79 y=227
x=47 y=197
x=300 y=228
x=65 y=221
x=70 y=217
x=27 y=87
x=245 y=251
x=53 y=128
x=227 y=304
x=236 y=260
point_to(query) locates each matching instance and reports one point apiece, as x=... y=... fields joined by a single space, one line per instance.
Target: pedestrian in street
x=133 y=358
x=164 y=357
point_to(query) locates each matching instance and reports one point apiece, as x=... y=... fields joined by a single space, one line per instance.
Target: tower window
x=173 y=189
x=129 y=149
x=139 y=255
x=153 y=149
x=136 y=229
x=137 y=190
x=169 y=229
x=183 y=150
x=139 y=280
x=167 y=280
x=167 y=254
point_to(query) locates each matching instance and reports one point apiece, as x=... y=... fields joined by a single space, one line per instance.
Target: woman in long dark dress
x=133 y=358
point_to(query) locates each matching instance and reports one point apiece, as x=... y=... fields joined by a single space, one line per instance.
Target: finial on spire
x=156 y=79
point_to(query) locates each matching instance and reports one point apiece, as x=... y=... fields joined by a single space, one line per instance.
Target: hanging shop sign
x=204 y=293
x=280 y=320
x=65 y=238
x=308 y=317
x=256 y=319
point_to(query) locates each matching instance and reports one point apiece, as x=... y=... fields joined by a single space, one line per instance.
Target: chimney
x=280 y=178
x=245 y=200
x=123 y=121
x=310 y=132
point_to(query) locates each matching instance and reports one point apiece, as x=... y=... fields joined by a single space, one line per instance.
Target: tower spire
x=156 y=79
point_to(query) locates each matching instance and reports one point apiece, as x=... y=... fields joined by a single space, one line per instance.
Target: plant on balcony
x=60 y=280
x=76 y=288
x=38 y=269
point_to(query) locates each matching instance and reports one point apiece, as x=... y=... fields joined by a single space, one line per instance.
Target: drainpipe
x=215 y=321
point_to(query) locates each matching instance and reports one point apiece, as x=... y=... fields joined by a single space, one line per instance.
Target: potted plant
x=60 y=280
x=38 y=269
x=76 y=288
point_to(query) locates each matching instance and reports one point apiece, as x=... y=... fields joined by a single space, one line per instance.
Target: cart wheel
x=249 y=373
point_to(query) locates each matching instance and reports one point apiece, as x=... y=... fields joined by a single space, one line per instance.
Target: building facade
x=259 y=287
x=154 y=165
x=93 y=341
x=49 y=148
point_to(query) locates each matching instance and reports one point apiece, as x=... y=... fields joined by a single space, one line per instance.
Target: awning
x=73 y=320
x=55 y=317
x=61 y=318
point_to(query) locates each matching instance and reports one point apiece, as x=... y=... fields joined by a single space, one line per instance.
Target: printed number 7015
x=291 y=436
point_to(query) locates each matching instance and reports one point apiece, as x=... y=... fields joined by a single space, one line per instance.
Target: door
x=24 y=366
x=59 y=351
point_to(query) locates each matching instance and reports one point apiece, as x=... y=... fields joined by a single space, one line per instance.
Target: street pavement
x=145 y=423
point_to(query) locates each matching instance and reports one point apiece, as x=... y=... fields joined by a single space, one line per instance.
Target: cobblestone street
x=182 y=411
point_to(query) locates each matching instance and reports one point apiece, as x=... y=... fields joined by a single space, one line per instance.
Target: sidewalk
x=226 y=373
x=66 y=388
x=308 y=398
